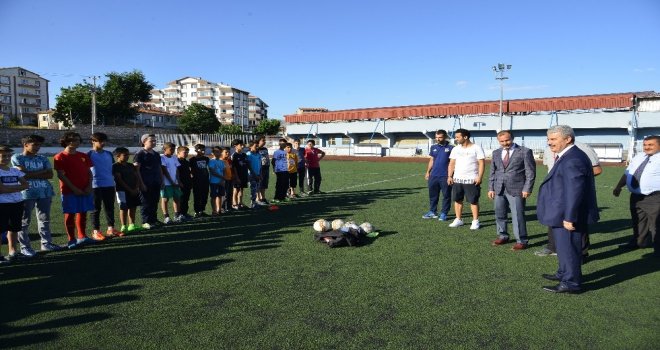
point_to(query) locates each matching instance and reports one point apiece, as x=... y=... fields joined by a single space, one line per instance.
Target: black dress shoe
x=560 y=288
x=550 y=277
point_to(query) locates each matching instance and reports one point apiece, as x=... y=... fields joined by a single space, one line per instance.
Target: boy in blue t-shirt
x=254 y=174
x=103 y=183
x=216 y=181
x=39 y=196
x=281 y=169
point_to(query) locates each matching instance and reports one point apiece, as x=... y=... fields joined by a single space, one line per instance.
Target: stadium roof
x=520 y=106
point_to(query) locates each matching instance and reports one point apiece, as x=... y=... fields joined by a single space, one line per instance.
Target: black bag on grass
x=337 y=238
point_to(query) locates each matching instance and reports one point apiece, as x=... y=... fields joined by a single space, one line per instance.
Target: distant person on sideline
x=436 y=176
x=466 y=170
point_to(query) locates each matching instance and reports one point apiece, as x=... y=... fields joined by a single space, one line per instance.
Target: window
x=37 y=92
x=193 y=86
x=21 y=73
x=4 y=80
x=184 y=94
x=37 y=83
x=193 y=94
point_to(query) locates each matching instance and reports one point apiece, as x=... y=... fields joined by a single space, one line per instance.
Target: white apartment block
x=231 y=105
x=258 y=111
x=23 y=94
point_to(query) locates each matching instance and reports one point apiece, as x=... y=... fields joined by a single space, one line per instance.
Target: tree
x=230 y=129
x=74 y=105
x=115 y=100
x=198 y=119
x=268 y=127
x=120 y=93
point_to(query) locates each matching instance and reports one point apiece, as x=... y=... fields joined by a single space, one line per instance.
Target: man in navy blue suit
x=567 y=204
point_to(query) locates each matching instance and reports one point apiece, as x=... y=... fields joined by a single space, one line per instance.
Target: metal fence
x=191 y=140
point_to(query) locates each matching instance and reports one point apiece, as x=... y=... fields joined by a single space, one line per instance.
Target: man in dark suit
x=512 y=174
x=567 y=203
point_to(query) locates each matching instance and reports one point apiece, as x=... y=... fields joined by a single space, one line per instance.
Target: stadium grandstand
x=614 y=124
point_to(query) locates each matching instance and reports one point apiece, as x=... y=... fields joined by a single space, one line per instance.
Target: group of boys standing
x=96 y=179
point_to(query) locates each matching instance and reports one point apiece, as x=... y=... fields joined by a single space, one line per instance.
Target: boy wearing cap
x=12 y=182
x=150 y=177
x=199 y=170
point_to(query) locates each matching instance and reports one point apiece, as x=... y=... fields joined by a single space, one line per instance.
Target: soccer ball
x=321 y=225
x=367 y=227
x=350 y=225
x=337 y=224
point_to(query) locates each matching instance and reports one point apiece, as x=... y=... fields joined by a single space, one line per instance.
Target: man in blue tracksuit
x=436 y=175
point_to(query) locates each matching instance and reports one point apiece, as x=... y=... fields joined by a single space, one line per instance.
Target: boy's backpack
x=337 y=238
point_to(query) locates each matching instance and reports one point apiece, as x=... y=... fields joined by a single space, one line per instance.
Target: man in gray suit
x=512 y=174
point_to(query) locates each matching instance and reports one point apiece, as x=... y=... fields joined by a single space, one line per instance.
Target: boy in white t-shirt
x=169 y=165
x=466 y=169
x=12 y=182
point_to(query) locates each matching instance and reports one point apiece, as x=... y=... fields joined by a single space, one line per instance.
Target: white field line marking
x=374 y=183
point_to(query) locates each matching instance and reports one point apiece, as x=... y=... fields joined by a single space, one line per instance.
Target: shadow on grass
x=620 y=273
x=611 y=226
x=94 y=279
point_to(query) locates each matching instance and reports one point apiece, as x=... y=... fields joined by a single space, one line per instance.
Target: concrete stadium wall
x=117 y=135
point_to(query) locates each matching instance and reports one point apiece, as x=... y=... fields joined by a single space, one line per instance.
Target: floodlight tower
x=500 y=69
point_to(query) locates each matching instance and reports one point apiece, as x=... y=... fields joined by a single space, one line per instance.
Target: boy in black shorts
x=240 y=170
x=127 y=190
x=12 y=182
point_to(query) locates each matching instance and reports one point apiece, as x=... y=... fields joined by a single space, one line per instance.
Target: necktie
x=637 y=176
x=505 y=161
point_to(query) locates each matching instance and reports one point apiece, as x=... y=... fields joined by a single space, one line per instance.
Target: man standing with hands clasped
x=642 y=177
x=436 y=175
x=511 y=180
x=567 y=203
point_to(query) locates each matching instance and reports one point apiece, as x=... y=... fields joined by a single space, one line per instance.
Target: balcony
x=28 y=84
x=28 y=93
x=30 y=103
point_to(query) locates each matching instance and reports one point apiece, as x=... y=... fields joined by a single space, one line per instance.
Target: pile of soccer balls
x=323 y=225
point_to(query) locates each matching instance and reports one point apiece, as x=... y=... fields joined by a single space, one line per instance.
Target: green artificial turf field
x=258 y=280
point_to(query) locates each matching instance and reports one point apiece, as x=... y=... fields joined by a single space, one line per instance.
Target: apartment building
x=23 y=94
x=230 y=104
x=258 y=111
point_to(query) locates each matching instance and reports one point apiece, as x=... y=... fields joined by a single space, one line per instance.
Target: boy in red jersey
x=73 y=170
x=312 y=157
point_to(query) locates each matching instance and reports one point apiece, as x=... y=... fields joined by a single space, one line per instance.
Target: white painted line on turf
x=373 y=183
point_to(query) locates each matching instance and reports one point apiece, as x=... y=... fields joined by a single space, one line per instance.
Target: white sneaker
x=475 y=225
x=28 y=252
x=457 y=222
x=50 y=247
x=167 y=220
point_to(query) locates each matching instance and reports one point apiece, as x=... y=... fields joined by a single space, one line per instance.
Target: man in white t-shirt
x=466 y=169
